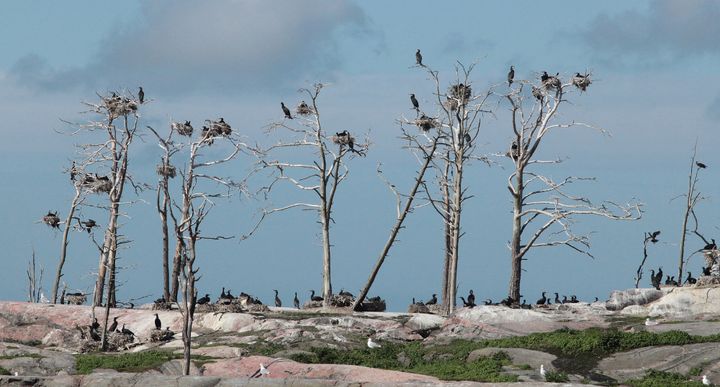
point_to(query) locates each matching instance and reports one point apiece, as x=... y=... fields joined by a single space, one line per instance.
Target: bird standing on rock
x=471 y=298
x=113 y=326
x=296 y=301
x=278 y=302
x=313 y=297
x=372 y=344
x=158 y=324
x=433 y=300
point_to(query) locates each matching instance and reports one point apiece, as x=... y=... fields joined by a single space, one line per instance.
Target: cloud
x=226 y=45
x=668 y=31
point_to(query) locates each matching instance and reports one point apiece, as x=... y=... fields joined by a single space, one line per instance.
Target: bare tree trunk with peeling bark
x=77 y=199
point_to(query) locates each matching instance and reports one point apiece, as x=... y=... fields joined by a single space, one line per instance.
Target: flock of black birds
x=508 y=302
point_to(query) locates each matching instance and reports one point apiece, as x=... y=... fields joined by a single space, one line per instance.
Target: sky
x=654 y=91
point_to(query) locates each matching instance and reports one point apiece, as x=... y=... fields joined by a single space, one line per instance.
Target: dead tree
x=193 y=208
x=543 y=210
x=321 y=177
x=649 y=237
x=460 y=114
x=34 y=280
x=692 y=197
x=424 y=151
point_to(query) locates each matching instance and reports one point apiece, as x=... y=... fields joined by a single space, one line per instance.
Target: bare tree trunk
x=175 y=278
x=456 y=209
x=688 y=210
x=448 y=234
x=638 y=274
x=162 y=206
x=395 y=230
x=63 y=248
x=327 y=284
x=515 y=241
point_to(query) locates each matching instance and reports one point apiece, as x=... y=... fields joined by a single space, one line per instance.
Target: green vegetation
x=30 y=355
x=129 y=362
x=556 y=377
x=663 y=379
x=4 y=371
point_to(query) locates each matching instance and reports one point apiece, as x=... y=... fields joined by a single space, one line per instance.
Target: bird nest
x=220 y=128
x=342 y=300
x=552 y=82
x=343 y=138
x=228 y=308
x=418 y=308
x=118 y=340
x=157 y=335
x=96 y=184
x=183 y=129
x=75 y=298
x=166 y=170
x=373 y=304
x=52 y=219
x=304 y=110
x=538 y=93
x=426 y=123
x=460 y=92
x=162 y=305
x=119 y=106
x=581 y=81
x=712 y=261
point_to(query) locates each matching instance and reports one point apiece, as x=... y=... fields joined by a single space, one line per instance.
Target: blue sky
x=655 y=91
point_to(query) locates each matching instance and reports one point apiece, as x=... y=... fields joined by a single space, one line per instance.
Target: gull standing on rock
x=372 y=344
x=705 y=380
x=650 y=323
x=542 y=370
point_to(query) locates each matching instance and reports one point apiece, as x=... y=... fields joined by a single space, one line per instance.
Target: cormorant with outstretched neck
x=296 y=302
x=690 y=280
x=158 y=324
x=414 y=101
x=345 y=293
x=113 y=326
x=542 y=300
x=432 y=301
x=278 y=302
x=141 y=95
x=557 y=299
x=564 y=300
x=313 y=297
x=511 y=75
x=285 y=110
x=418 y=58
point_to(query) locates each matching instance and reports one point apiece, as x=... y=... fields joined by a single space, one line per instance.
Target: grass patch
x=556 y=377
x=131 y=362
x=655 y=378
x=4 y=371
x=30 y=355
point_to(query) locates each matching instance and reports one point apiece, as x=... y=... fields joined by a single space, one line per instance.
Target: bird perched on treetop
x=653 y=236
x=418 y=58
x=414 y=101
x=700 y=165
x=285 y=110
x=141 y=95
x=511 y=75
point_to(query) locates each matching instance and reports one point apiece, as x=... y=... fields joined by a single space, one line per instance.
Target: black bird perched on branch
x=204 y=300
x=73 y=171
x=313 y=297
x=296 y=302
x=700 y=165
x=415 y=103
x=285 y=110
x=710 y=246
x=158 y=324
x=141 y=95
x=653 y=236
x=511 y=75
x=278 y=302
x=542 y=300
x=113 y=326
x=432 y=301
x=544 y=77
x=418 y=58
x=690 y=280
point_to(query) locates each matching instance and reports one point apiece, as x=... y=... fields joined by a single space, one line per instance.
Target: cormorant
x=278 y=302
x=700 y=165
x=544 y=77
x=158 y=324
x=673 y=282
x=126 y=331
x=345 y=293
x=296 y=301
x=204 y=300
x=564 y=300
x=488 y=302
x=141 y=96
x=222 y=293
x=653 y=236
x=73 y=171
x=228 y=295
x=667 y=280
x=95 y=324
x=596 y=299
x=418 y=58
x=706 y=270
x=467 y=139
x=372 y=344
x=285 y=110
x=557 y=299
x=432 y=301
x=659 y=276
x=471 y=297
x=313 y=297
x=511 y=75
x=414 y=101
x=542 y=300
x=710 y=246
x=690 y=279
x=113 y=326
x=465 y=303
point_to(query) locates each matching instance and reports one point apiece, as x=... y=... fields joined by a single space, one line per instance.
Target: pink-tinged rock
x=287 y=369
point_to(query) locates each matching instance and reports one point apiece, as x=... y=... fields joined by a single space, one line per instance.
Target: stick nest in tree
x=538 y=93
x=118 y=106
x=183 y=129
x=52 y=219
x=96 y=184
x=304 y=110
x=215 y=129
x=581 y=81
x=426 y=123
x=460 y=92
x=166 y=170
x=343 y=138
x=552 y=82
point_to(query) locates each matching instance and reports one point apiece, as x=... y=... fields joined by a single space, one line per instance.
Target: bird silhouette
x=296 y=301
x=285 y=110
x=418 y=58
x=511 y=75
x=158 y=324
x=700 y=165
x=278 y=302
x=415 y=103
x=141 y=95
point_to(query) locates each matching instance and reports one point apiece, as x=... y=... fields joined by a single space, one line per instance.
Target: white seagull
x=44 y=299
x=705 y=380
x=542 y=370
x=650 y=323
x=263 y=371
x=371 y=344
